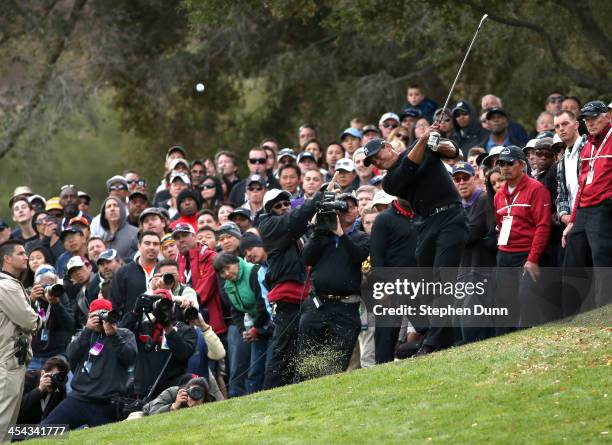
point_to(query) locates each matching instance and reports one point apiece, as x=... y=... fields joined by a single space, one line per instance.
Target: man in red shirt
x=196 y=270
x=522 y=212
x=588 y=236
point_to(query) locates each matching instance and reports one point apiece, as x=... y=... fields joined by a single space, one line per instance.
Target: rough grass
x=547 y=385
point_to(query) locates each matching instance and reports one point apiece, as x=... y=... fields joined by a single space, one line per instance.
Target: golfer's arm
x=418 y=151
x=448 y=151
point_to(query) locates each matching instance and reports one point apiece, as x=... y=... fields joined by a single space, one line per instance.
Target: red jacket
x=529 y=206
x=204 y=281
x=600 y=189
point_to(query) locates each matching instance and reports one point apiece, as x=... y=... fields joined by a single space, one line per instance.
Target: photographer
x=281 y=229
x=166 y=276
x=161 y=341
x=51 y=303
x=330 y=319
x=193 y=394
x=43 y=390
x=251 y=320
x=99 y=357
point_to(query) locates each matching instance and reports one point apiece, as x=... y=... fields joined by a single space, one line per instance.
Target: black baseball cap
x=593 y=108
x=240 y=211
x=496 y=110
x=371 y=148
x=370 y=128
x=511 y=153
x=70 y=229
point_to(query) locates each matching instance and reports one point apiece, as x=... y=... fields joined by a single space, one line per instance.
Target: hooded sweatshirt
x=124 y=240
x=471 y=135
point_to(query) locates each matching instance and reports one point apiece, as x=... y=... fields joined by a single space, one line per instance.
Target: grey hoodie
x=124 y=240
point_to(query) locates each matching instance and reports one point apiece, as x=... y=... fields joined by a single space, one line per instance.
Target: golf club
x=434 y=137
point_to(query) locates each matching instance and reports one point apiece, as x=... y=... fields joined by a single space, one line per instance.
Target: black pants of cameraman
x=327 y=337
x=441 y=240
x=281 y=369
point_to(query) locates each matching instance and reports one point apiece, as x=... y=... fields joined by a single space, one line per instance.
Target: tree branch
x=581 y=78
x=590 y=28
x=23 y=119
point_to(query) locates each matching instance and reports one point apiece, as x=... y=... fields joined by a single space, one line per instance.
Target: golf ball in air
x=200 y=87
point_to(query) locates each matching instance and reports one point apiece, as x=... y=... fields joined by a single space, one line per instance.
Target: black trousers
x=440 y=243
x=327 y=337
x=281 y=369
x=385 y=340
x=588 y=244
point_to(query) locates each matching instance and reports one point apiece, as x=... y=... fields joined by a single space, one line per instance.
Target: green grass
x=548 y=385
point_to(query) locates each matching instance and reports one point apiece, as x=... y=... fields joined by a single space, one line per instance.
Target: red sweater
x=529 y=206
x=600 y=189
x=204 y=282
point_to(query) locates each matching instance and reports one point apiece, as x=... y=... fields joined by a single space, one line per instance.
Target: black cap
x=70 y=229
x=496 y=110
x=256 y=178
x=240 y=211
x=461 y=106
x=511 y=153
x=249 y=240
x=175 y=148
x=136 y=193
x=370 y=128
x=411 y=112
x=593 y=108
x=371 y=148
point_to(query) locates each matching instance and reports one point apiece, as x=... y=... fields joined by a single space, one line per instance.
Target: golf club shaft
x=462 y=63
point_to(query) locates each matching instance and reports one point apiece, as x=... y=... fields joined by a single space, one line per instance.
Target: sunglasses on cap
x=67 y=186
x=136 y=181
x=505 y=163
x=390 y=125
x=280 y=205
x=208 y=186
x=257 y=161
x=117 y=187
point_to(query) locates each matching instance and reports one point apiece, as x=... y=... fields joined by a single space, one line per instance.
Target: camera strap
x=150 y=395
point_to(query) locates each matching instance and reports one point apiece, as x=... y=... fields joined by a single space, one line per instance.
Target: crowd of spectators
x=203 y=284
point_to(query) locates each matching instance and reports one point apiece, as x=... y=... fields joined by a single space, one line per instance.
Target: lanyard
x=594 y=158
x=513 y=201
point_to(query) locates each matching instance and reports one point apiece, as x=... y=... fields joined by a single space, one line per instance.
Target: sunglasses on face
x=257 y=160
x=555 y=99
x=281 y=205
x=208 y=186
x=255 y=189
x=505 y=163
x=461 y=113
x=459 y=179
x=390 y=125
x=136 y=181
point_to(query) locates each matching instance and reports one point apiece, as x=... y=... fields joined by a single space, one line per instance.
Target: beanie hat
x=250 y=239
x=100 y=303
x=229 y=228
x=187 y=193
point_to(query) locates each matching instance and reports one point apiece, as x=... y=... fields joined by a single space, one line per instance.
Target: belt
x=443 y=209
x=340 y=298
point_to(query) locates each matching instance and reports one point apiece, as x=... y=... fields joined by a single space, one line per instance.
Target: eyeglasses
x=459 y=179
x=257 y=160
x=505 y=163
x=555 y=99
x=390 y=125
x=208 y=186
x=255 y=189
x=118 y=187
x=136 y=181
x=280 y=205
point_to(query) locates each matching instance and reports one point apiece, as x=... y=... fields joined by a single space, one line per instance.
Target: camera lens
x=196 y=393
x=168 y=279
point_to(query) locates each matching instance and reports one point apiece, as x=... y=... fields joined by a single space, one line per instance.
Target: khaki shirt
x=16 y=317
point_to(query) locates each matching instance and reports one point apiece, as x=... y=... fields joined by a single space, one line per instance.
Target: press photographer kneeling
x=330 y=322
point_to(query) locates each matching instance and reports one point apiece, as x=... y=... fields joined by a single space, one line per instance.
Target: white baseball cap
x=273 y=196
x=345 y=164
x=389 y=115
x=382 y=197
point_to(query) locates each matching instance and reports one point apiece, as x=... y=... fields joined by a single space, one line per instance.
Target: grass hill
x=547 y=385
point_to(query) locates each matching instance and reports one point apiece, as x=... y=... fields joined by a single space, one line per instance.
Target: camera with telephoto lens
x=327 y=211
x=111 y=317
x=168 y=279
x=160 y=307
x=59 y=380
x=191 y=313
x=196 y=393
x=54 y=290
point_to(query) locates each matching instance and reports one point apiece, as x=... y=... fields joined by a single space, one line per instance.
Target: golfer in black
x=419 y=176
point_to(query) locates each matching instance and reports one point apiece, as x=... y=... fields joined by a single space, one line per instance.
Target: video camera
x=326 y=212
x=160 y=307
x=54 y=290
